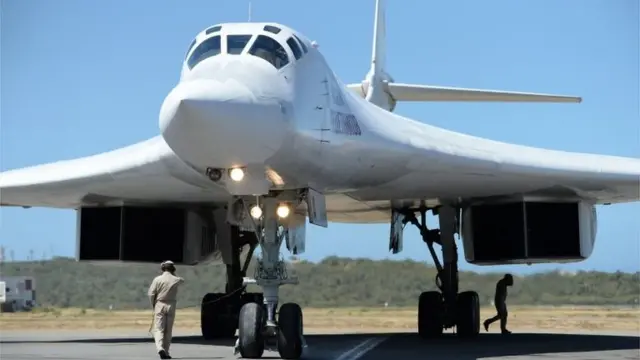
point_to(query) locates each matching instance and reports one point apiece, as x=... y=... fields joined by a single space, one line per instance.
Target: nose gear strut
x=261 y=326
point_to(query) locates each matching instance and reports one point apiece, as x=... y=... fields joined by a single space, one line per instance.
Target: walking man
x=163 y=294
x=500 y=304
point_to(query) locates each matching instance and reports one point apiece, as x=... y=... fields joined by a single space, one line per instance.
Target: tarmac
x=396 y=346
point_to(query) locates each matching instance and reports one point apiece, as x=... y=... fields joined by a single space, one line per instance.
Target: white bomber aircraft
x=260 y=134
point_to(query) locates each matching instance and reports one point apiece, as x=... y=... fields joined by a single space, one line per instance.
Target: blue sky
x=80 y=77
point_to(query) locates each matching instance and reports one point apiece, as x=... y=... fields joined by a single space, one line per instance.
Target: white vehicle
x=260 y=133
x=17 y=293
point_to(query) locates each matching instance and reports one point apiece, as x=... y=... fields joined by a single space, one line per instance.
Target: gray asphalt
x=529 y=346
x=409 y=346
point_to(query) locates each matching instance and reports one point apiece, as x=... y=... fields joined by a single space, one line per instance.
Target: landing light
x=283 y=211
x=214 y=174
x=236 y=174
x=256 y=212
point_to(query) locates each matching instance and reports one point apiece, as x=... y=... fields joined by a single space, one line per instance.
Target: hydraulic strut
x=447 y=271
x=428 y=236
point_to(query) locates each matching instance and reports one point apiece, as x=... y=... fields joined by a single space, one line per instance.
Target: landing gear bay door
x=316 y=208
x=397 y=229
x=296 y=233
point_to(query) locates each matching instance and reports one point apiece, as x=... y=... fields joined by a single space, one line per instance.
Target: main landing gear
x=260 y=326
x=444 y=309
x=220 y=311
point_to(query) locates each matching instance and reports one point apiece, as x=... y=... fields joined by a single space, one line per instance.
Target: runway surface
x=66 y=345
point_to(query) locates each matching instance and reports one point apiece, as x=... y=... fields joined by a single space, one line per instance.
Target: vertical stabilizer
x=373 y=87
x=379 y=88
x=378 y=53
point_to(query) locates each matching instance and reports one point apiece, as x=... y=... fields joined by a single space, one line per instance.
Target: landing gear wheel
x=251 y=341
x=215 y=321
x=430 y=314
x=468 y=314
x=290 y=331
x=250 y=297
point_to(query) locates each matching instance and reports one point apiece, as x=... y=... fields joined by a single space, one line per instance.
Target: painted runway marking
x=361 y=349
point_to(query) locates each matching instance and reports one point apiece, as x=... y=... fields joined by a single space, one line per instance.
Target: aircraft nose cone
x=209 y=123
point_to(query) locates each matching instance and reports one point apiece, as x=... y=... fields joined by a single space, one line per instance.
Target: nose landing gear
x=261 y=327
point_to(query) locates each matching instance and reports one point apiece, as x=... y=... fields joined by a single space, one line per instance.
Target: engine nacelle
x=146 y=234
x=528 y=230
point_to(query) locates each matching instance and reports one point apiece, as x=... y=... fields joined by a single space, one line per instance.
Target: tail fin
x=379 y=88
x=379 y=50
x=373 y=88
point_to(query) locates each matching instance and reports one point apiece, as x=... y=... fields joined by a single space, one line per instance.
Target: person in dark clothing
x=500 y=304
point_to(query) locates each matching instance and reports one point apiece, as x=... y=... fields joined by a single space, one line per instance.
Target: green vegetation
x=335 y=282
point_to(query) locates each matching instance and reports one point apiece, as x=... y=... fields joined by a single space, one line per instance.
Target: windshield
x=294 y=48
x=237 y=43
x=304 y=47
x=270 y=50
x=207 y=49
x=191 y=46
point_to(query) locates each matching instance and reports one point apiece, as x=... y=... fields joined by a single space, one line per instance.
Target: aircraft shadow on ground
x=410 y=345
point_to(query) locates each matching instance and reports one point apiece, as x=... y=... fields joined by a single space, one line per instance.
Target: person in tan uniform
x=163 y=293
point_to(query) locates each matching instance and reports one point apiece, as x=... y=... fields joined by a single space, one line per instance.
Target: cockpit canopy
x=264 y=44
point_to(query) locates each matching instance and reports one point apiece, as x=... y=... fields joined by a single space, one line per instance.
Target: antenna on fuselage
x=249 y=11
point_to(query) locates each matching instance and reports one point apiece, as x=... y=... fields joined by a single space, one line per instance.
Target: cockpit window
x=304 y=47
x=208 y=48
x=270 y=50
x=271 y=29
x=237 y=43
x=295 y=48
x=191 y=46
x=213 y=29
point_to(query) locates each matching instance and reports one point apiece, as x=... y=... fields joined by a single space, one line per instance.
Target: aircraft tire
x=290 y=331
x=430 y=314
x=250 y=325
x=215 y=322
x=250 y=297
x=468 y=314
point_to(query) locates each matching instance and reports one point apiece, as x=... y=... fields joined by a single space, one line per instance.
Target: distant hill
x=63 y=282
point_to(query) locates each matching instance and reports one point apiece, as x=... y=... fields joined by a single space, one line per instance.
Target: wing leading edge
x=146 y=172
x=442 y=164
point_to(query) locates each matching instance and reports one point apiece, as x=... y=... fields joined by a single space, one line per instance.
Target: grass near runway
x=335 y=320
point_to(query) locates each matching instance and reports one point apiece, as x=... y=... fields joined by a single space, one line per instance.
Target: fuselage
x=262 y=95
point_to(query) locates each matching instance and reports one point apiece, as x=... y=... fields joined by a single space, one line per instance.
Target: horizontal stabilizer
x=409 y=92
